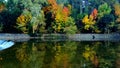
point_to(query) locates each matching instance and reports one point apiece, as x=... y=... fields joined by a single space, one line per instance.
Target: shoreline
x=61 y=37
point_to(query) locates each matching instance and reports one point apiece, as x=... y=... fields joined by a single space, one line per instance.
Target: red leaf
x=94 y=13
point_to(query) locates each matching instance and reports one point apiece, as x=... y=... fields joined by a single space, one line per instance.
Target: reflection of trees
x=107 y=55
x=62 y=55
x=118 y=56
x=97 y=54
x=59 y=55
x=48 y=55
x=29 y=56
x=21 y=53
x=67 y=54
x=84 y=55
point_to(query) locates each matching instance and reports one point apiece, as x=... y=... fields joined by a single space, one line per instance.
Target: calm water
x=64 y=54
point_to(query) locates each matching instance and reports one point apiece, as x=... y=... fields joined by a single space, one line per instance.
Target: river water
x=61 y=54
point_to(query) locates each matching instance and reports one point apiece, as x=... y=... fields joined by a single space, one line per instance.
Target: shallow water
x=61 y=54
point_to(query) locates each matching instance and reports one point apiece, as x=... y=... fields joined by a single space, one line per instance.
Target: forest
x=59 y=16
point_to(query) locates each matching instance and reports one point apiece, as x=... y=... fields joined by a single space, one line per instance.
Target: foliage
x=103 y=9
x=23 y=21
x=117 y=11
x=36 y=22
x=8 y=15
x=107 y=24
x=70 y=27
x=55 y=16
x=88 y=22
x=94 y=13
x=8 y=20
x=117 y=14
x=60 y=15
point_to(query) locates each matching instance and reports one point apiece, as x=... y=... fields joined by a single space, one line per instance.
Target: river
x=61 y=54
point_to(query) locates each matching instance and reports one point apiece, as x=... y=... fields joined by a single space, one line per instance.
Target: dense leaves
x=104 y=9
x=23 y=21
x=62 y=22
x=59 y=16
x=88 y=21
x=32 y=20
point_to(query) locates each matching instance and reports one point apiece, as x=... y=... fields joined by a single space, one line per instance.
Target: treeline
x=59 y=16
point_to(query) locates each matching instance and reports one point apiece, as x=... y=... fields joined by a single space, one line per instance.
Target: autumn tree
x=62 y=21
x=90 y=21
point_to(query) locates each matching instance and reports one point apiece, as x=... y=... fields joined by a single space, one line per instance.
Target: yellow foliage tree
x=22 y=22
x=88 y=21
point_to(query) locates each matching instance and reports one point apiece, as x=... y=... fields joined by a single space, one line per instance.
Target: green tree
x=8 y=16
x=103 y=9
x=34 y=7
x=106 y=24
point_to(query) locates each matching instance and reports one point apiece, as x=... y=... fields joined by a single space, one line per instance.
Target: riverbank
x=14 y=37
x=61 y=37
x=81 y=37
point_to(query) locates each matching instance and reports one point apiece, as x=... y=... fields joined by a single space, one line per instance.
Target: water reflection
x=65 y=54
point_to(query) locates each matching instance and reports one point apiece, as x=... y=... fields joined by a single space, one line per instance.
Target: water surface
x=61 y=54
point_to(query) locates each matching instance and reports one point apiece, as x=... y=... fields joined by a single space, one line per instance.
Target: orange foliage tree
x=59 y=12
x=94 y=13
x=60 y=15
